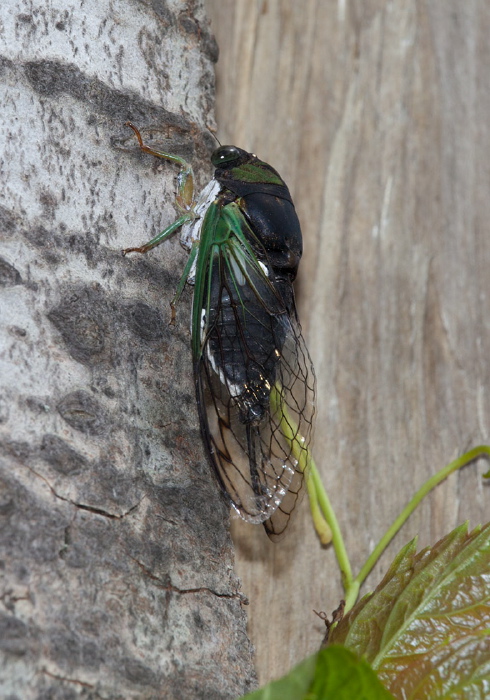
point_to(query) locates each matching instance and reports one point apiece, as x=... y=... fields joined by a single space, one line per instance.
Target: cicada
x=254 y=379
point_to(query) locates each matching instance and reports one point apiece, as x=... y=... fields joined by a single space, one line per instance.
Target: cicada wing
x=291 y=420
x=254 y=387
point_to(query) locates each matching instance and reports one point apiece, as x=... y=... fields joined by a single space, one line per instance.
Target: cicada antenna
x=215 y=137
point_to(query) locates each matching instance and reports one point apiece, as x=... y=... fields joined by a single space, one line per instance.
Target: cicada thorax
x=267 y=205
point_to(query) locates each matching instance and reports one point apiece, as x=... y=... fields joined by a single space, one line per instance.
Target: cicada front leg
x=184 y=198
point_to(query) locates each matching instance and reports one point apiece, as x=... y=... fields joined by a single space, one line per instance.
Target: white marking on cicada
x=233 y=389
x=191 y=231
x=286 y=479
x=271 y=498
x=265 y=269
x=237 y=271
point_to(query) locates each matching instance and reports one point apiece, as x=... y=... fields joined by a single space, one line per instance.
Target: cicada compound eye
x=226 y=156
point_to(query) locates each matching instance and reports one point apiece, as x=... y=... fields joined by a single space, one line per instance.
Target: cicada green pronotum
x=253 y=375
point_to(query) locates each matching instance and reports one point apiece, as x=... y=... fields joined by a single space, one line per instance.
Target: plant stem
x=414 y=502
x=331 y=518
x=352 y=585
x=324 y=518
x=323 y=529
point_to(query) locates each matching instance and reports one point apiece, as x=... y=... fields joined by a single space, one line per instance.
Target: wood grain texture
x=376 y=114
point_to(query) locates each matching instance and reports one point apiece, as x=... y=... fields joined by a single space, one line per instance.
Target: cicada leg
x=185 y=201
x=184 y=198
x=161 y=236
x=183 y=279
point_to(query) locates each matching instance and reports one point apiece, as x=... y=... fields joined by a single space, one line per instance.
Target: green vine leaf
x=341 y=675
x=426 y=627
x=334 y=673
x=294 y=686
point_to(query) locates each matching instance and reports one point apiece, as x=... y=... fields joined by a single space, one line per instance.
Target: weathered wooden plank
x=376 y=114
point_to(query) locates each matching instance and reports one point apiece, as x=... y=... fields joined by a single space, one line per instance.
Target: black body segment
x=275 y=223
